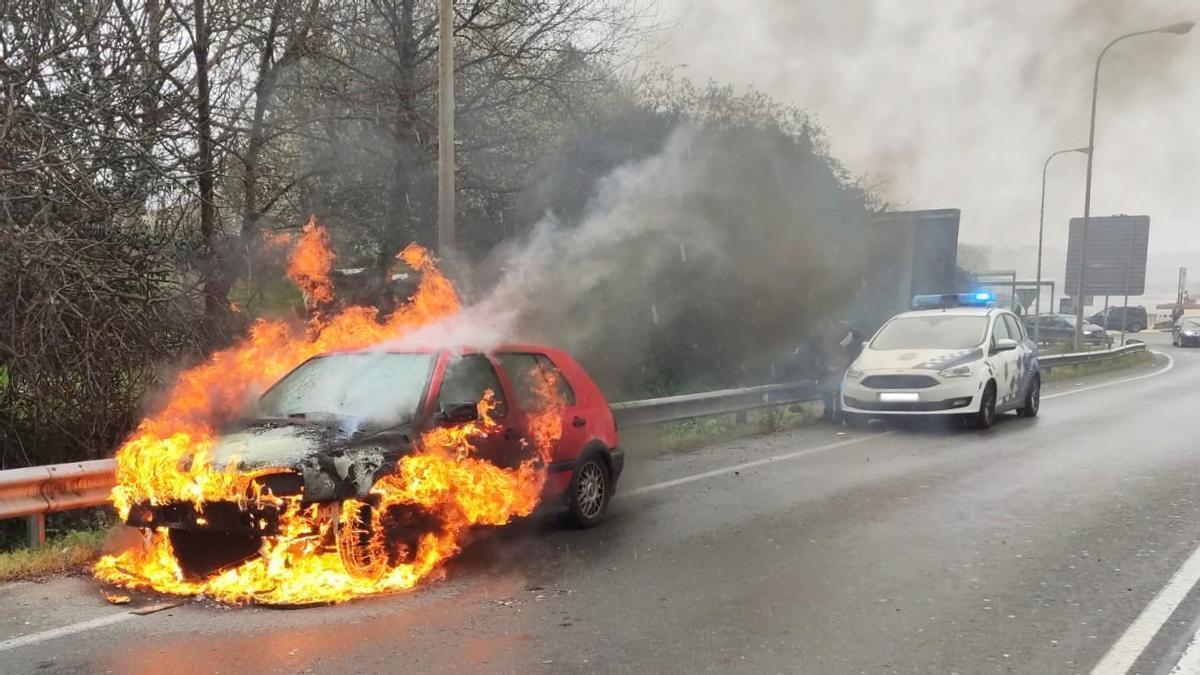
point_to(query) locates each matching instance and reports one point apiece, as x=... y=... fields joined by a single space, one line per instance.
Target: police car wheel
x=1033 y=399
x=987 y=408
x=855 y=420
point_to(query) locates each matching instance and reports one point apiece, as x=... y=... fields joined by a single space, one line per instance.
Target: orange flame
x=310 y=263
x=166 y=460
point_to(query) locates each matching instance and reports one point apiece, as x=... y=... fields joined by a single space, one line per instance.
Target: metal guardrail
x=1080 y=358
x=688 y=406
x=34 y=491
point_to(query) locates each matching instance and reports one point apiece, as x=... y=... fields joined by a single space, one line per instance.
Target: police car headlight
x=853 y=373
x=965 y=370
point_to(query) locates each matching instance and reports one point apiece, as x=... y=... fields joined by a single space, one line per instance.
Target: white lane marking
x=751 y=464
x=1133 y=642
x=654 y=487
x=70 y=629
x=1189 y=663
x=1160 y=371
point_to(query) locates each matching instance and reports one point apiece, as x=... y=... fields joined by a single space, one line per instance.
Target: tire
x=1135 y=327
x=855 y=420
x=356 y=545
x=986 y=417
x=587 y=496
x=1033 y=399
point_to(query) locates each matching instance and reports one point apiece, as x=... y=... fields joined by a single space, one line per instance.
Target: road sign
x=1116 y=255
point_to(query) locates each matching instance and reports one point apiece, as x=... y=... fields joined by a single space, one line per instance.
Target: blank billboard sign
x=1116 y=255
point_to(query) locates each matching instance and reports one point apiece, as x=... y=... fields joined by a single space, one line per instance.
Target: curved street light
x=1037 y=299
x=1178 y=28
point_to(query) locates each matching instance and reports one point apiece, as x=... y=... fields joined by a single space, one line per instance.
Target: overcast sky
x=956 y=103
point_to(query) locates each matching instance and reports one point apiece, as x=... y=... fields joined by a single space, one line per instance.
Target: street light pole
x=445 y=229
x=1037 y=299
x=1179 y=28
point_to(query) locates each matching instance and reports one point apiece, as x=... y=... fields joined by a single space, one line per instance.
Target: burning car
x=324 y=437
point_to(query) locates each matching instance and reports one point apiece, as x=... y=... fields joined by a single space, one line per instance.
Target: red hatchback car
x=332 y=427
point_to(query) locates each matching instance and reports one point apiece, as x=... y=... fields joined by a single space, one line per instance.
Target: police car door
x=1003 y=362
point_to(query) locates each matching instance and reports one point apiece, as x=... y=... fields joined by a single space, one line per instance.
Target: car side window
x=999 y=331
x=466 y=379
x=565 y=392
x=1014 y=327
x=522 y=367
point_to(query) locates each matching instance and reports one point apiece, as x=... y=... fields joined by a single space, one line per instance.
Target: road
x=1030 y=548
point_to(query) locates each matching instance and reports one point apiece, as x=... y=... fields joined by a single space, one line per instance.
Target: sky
x=957 y=103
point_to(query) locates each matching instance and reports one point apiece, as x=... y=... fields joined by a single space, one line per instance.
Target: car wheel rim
x=590 y=492
x=1035 y=397
x=989 y=408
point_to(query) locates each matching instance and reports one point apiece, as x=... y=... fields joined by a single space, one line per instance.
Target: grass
x=1134 y=360
x=64 y=553
x=689 y=434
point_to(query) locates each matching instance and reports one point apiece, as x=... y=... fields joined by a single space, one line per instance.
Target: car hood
x=333 y=462
x=268 y=444
x=916 y=359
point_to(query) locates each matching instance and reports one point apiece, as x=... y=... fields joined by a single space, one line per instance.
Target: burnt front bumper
x=220 y=516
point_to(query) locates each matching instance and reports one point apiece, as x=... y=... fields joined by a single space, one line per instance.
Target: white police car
x=954 y=355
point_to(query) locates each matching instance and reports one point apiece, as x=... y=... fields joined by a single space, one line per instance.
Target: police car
x=954 y=354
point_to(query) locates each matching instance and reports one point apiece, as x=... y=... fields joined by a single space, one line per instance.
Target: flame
x=310 y=263
x=167 y=460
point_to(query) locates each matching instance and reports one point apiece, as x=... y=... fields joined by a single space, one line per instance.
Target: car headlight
x=853 y=373
x=965 y=370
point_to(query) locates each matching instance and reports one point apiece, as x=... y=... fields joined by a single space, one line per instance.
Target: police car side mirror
x=1005 y=344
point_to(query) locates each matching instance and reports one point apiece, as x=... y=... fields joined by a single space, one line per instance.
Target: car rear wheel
x=1135 y=327
x=986 y=417
x=588 y=495
x=1033 y=399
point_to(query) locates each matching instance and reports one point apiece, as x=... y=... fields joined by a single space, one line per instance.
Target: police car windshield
x=937 y=331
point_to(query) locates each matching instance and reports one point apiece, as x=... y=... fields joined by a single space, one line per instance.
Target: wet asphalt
x=1029 y=548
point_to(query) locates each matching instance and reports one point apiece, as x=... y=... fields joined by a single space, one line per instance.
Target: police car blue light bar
x=976 y=299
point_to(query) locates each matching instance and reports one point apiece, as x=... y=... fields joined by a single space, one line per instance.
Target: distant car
x=332 y=427
x=1061 y=328
x=950 y=359
x=1186 y=332
x=1129 y=319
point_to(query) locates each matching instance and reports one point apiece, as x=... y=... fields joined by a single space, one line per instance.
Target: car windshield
x=1190 y=323
x=380 y=387
x=931 y=332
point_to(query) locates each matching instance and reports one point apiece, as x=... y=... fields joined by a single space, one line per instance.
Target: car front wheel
x=591 y=488
x=987 y=408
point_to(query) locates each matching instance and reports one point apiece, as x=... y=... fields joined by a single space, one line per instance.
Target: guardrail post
x=35 y=528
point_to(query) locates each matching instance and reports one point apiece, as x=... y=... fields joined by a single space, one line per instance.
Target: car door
x=1023 y=358
x=521 y=369
x=1002 y=361
x=465 y=379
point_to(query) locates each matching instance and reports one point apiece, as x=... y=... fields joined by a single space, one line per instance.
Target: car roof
x=463 y=349
x=953 y=311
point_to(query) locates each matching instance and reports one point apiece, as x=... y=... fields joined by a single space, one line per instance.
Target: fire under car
x=335 y=425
